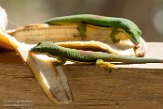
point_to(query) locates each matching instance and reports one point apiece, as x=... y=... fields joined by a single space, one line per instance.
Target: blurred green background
x=147 y=14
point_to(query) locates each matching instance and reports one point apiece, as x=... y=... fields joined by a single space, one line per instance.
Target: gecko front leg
x=113 y=35
x=82 y=30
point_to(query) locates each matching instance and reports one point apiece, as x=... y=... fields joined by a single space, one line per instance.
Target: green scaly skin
x=62 y=53
x=118 y=24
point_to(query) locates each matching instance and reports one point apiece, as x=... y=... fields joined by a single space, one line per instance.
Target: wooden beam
x=92 y=87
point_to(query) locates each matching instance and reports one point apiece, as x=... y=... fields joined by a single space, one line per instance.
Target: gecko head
x=42 y=47
x=132 y=31
x=134 y=35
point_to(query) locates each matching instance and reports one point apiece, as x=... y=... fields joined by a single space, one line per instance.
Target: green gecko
x=117 y=24
x=63 y=54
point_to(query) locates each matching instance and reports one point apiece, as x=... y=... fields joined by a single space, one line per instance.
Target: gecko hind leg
x=107 y=65
x=82 y=30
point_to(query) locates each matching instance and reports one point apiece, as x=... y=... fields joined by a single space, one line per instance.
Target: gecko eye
x=130 y=32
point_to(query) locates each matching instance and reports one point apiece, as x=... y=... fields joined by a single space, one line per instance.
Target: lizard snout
x=35 y=50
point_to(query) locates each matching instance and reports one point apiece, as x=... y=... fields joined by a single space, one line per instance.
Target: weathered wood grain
x=92 y=87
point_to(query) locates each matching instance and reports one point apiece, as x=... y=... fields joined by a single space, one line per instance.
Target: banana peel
x=34 y=33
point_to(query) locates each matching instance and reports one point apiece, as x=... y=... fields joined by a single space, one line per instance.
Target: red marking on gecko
x=85 y=53
x=99 y=17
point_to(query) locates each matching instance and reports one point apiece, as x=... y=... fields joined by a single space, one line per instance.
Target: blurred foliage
x=143 y=13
